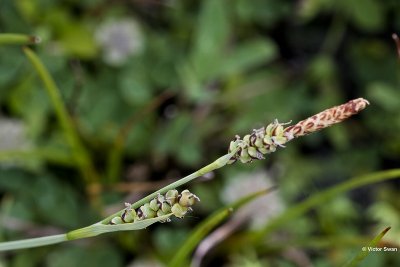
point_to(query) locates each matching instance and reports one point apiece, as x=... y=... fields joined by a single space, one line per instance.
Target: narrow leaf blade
x=365 y=251
x=207 y=225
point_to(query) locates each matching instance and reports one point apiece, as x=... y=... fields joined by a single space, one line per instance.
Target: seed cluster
x=171 y=202
x=262 y=141
x=266 y=139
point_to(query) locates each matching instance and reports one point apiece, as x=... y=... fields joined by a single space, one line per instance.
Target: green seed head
x=159 y=206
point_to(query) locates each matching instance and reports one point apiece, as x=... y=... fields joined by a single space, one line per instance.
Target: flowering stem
x=220 y=162
x=18 y=39
x=85 y=232
x=33 y=242
x=253 y=146
x=264 y=141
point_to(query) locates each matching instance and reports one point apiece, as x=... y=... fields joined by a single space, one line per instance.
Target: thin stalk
x=33 y=242
x=335 y=35
x=220 y=162
x=80 y=153
x=203 y=229
x=85 y=232
x=18 y=39
x=364 y=252
x=102 y=227
x=98 y=228
x=318 y=199
x=114 y=160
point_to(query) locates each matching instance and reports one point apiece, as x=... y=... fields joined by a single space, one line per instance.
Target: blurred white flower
x=119 y=39
x=260 y=210
x=12 y=135
x=256 y=213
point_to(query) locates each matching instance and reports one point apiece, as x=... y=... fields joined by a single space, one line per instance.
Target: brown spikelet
x=326 y=118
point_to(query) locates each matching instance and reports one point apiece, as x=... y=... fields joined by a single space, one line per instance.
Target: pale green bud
x=279 y=130
x=268 y=140
x=279 y=140
x=129 y=215
x=244 y=156
x=232 y=145
x=178 y=210
x=171 y=196
x=246 y=138
x=117 y=220
x=253 y=153
x=165 y=207
x=154 y=204
x=147 y=211
x=259 y=142
x=270 y=128
x=187 y=198
x=161 y=213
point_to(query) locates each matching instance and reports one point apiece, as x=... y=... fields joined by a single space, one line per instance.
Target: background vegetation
x=157 y=89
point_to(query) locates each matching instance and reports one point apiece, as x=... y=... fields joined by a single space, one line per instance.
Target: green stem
x=335 y=35
x=83 y=233
x=89 y=231
x=182 y=255
x=33 y=242
x=102 y=227
x=98 y=228
x=318 y=199
x=18 y=39
x=114 y=160
x=81 y=155
x=220 y=162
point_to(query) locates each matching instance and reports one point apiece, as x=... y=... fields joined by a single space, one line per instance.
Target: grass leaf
x=207 y=225
x=320 y=198
x=365 y=251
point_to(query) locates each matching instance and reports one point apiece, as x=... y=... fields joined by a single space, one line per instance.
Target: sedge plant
x=166 y=202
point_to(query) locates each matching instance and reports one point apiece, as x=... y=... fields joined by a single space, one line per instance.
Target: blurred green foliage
x=156 y=89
